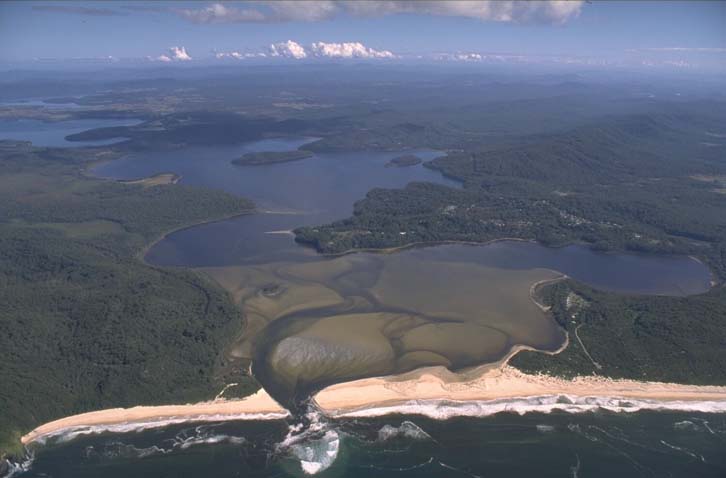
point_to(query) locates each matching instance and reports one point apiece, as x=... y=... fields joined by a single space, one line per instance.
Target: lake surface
x=53 y=134
x=315 y=320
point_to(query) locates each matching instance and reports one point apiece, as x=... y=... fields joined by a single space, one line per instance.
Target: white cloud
x=229 y=54
x=552 y=11
x=459 y=56
x=176 y=53
x=274 y=11
x=516 y=11
x=218 y=13
x=348 y=50
x=302 y=10
x=288 y=49
x=179 y=53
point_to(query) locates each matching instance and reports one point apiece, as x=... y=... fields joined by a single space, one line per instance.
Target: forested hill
x=87 y=325
x=639 y=183
x=615 y=149
x=643 y=183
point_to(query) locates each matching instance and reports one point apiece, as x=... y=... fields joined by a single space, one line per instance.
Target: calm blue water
x=323 y=188
x=52 y=134
x=307 y=192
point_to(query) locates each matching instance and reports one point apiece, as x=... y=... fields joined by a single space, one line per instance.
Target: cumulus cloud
x=228 y=54
x=552 y=11
x=288 y=49
x=219 y=13
x=179 y=53
x=175 y=53
x=516 y=11
x=348 y=50
x=236 y=55
x=275 y=11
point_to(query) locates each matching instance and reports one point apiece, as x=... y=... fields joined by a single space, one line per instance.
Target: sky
x=679 y=35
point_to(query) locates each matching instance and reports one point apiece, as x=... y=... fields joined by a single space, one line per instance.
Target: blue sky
x=690 y=34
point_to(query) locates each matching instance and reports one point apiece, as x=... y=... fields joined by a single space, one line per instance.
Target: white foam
x=407 y=430
x=70 y=433
x=444 y=409
x=20 y=467
x=317 y=455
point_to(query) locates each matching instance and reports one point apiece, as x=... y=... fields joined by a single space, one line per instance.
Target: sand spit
x=438 y=393
x=434 y=392
x=258 y=406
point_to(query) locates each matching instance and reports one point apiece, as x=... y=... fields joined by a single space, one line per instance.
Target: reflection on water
x=556 y=444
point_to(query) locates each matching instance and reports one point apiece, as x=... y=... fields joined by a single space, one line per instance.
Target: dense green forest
x=86 y=324
x=271 y=157
x=637 y=183
x=670 y=339
x=626 y=184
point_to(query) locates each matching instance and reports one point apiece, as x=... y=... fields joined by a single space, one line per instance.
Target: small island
x=404 y=161
x=271 y=157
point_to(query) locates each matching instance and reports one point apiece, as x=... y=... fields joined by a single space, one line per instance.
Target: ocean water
x=591 y=442
x=556 y=444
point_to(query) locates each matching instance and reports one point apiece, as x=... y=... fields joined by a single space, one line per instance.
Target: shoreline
x=434 y=392
x=438 y=393
x=257 y=406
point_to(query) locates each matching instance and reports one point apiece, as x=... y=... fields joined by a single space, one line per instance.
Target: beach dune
x=502 y=385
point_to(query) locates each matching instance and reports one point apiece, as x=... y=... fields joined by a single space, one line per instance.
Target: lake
x=315 y=320
x=53 y=133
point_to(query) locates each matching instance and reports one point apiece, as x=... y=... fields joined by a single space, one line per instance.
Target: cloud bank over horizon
x=512 y=11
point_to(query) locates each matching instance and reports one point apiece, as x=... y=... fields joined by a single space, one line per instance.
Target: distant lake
x=53 y=134
x=324 y=188
x=312 y=191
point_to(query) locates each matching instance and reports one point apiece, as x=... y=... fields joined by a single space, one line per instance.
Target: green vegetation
x=271 y=157
x=622 y=184
x=670 y=339
x=635 y=183
x=404 y=161
x=86 y=324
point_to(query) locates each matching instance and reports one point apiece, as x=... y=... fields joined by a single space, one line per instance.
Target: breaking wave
x=68 y=434
x=16 y=468
x=444 y=409
x=407 y=429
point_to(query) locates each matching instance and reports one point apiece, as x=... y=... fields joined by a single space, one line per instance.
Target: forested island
x=272 y=157
x=404 y=161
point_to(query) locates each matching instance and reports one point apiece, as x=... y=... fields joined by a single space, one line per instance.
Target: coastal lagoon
x=313 y=320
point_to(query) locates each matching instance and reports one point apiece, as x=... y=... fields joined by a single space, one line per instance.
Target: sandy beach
x=437 y=384
x=488 y=389
x=256 y=406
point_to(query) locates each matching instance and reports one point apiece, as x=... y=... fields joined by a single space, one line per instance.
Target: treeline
x=86 y=325
x=667 y=339
x=583 y=189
